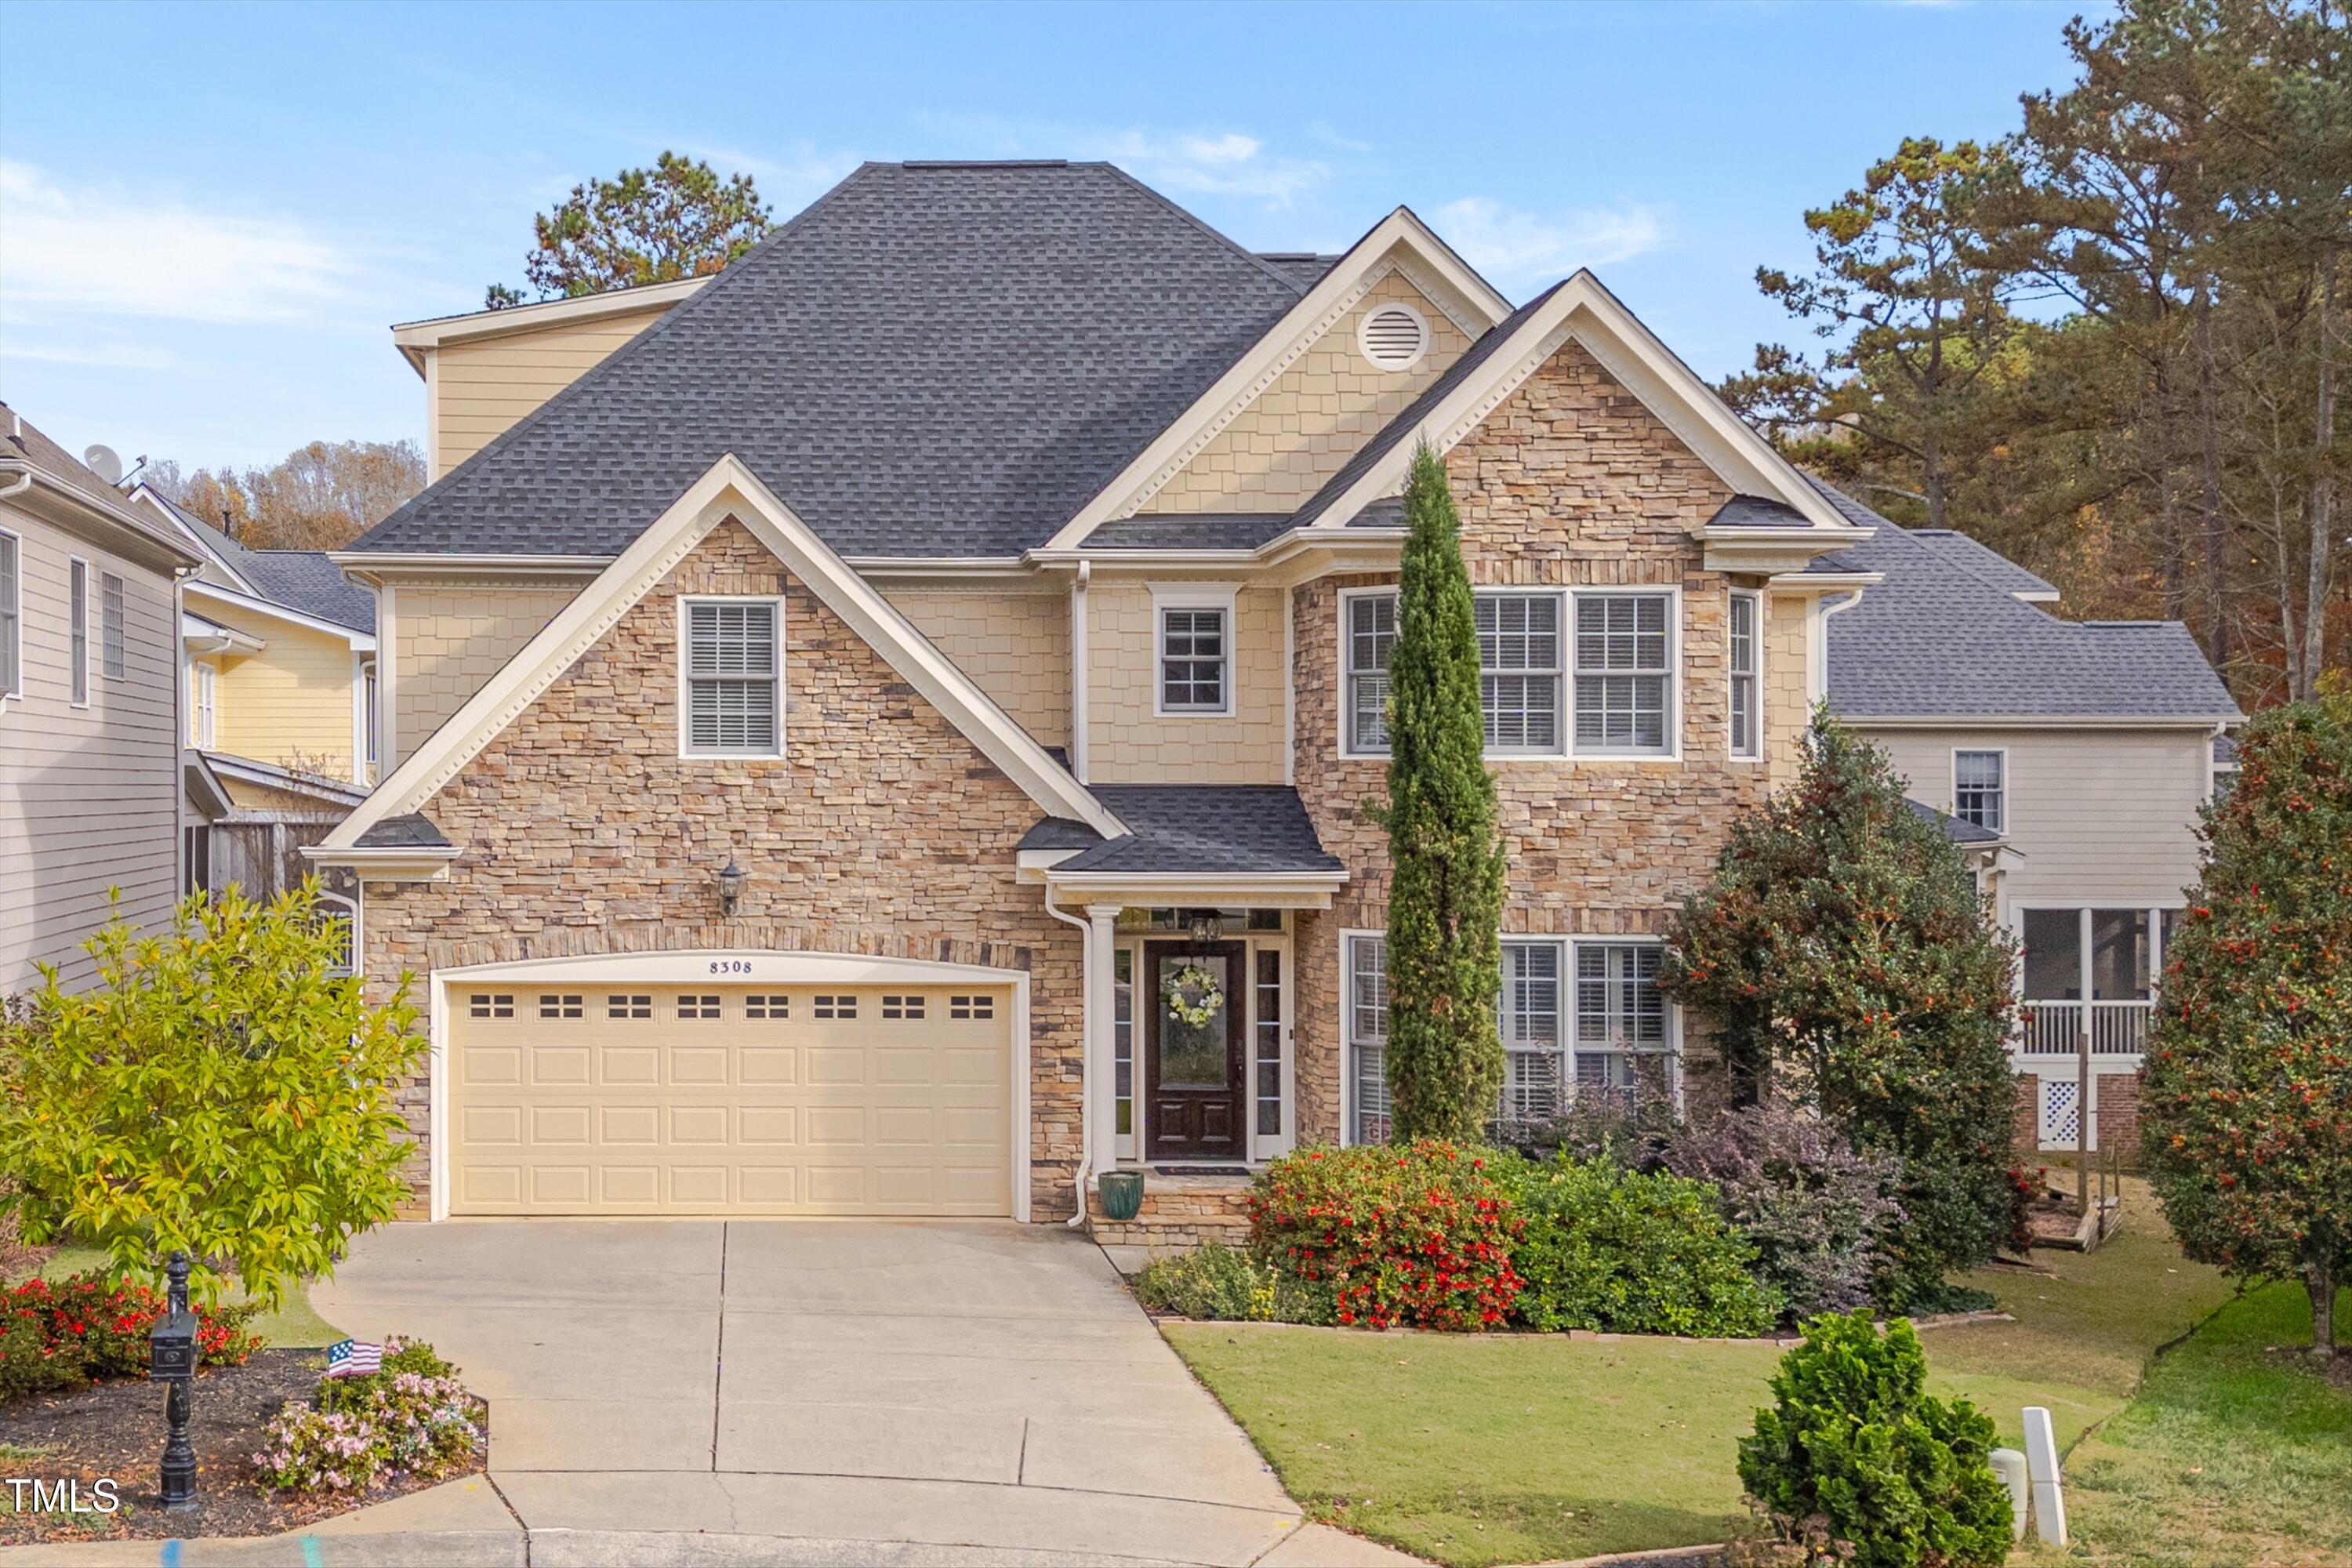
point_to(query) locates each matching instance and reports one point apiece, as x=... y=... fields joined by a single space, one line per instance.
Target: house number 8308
x=730 y=966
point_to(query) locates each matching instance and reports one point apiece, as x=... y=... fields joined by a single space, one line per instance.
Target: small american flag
x=353 y=1358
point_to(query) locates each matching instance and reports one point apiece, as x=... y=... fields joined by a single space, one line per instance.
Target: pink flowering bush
x=413 y=1418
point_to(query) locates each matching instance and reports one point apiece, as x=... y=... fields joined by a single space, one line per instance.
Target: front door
x=1192 y=1041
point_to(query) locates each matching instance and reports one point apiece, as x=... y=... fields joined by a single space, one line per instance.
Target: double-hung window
x=1746 y=686
x=1625 y=673
x=1368 y=1039
x=110 y=625
x=733 y=678
x=1529 y=1017
x=1371 y=634
x=1977 y=788
x=1196 y=658
x=203 y=685
x=1623 y=1033
x=11 y=617
x=78 y=629
x=1518 y=670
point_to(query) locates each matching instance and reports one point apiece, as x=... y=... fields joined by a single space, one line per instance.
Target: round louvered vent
x=1393 y=337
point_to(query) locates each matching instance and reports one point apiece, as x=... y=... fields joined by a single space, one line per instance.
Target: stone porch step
x=1180 y=1212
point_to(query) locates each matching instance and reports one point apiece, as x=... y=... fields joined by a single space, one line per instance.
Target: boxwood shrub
x=1604 y=1247
x=1417 y=1234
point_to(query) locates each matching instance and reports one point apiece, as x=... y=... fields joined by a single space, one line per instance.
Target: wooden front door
x=1192 y=1072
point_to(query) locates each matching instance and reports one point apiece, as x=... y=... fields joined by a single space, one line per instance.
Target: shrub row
x=56 y=1334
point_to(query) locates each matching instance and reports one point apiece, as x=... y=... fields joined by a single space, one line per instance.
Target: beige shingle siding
x=449 y=638
x=1014 y=644
x=482 y=389
x=1787 y=707
x=2098 y=814
x=88 y=796
x=1127 y=743
x=1281 y=448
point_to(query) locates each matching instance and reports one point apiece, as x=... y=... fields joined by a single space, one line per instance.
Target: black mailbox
x=172 y=1348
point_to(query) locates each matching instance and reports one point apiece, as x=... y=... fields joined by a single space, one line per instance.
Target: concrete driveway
x=976 y=1392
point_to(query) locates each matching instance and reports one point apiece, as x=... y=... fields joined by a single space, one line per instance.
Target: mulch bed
x=116 y=1429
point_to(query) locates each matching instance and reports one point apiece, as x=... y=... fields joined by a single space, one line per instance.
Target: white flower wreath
x=1193 y=996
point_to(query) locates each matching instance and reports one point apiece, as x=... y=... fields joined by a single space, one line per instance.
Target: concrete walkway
x=788 y=1392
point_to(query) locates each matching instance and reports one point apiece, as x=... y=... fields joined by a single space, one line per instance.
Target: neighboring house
x=280 y=701
x=89 y=755
x=2075 y=754
x=820 y=735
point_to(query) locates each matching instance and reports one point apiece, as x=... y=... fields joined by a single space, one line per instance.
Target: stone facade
x=882 y=831
x=1571 y=483
x=1178 y=1214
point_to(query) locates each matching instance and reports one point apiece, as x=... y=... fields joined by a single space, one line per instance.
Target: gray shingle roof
x=1982 y=560
x=1305 y=266
x=1937 y=639
x=1188 y=530
x=1955 y=830
x=410 y=832
x=1237 y=829
x=1407 y=424
x=1757 y=511
x=930 y=360
x=306 y=580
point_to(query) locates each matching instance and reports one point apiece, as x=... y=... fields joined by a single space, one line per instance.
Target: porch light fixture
x=731 y=878
x=1203 y=926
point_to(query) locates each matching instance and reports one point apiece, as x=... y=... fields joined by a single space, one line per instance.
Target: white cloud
x=97 y=252
x=1227 y=164
x=1509 y=245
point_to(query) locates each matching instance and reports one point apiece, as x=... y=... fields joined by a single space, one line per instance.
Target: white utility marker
x=2010 y=1466
x=2042 y=1465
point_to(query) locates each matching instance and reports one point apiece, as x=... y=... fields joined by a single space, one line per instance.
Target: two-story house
x=891 y=735
x=278 y=650
x=2083 y=748
x=89 y=723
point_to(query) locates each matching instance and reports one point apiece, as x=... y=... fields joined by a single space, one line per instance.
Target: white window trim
x=1673 y=1049
x=16 y=623
x=114 y=625
x=686 y=748
x=1363 y=324
x=2008 y=791
x=77 y=599
x=352 y=908
x=1677 y=703
x=1345 y=649
x=1192 y=596
x=1343 y=744
x=1563 y=698
x=203 y=707
x=1349 y=936
x=1755 y=753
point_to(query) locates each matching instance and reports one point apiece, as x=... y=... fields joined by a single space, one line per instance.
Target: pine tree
x=1445 y=889
x=2246 y=1118
x=1842 y=949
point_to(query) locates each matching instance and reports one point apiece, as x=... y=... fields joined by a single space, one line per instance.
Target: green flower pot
x=1122 y=1194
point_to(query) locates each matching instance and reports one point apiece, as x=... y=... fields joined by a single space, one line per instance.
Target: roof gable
x=929 y=361
x=729 y=489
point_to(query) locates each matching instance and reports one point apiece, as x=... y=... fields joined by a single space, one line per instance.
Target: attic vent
x=1393 y=337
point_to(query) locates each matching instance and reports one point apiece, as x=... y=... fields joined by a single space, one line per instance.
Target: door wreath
x=1193 y=996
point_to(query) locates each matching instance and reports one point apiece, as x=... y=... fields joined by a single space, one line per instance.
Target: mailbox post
x=172 y=1361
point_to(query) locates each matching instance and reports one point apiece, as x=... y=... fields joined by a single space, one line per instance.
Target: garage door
x=630 y=1099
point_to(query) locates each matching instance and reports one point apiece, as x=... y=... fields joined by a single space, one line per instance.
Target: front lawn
x=2236 y=1453
x=1515 y=1448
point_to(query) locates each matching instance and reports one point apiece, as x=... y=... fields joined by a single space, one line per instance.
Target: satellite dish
x=102 y=462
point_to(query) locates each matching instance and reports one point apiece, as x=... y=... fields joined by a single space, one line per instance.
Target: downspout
x=1827 y=607
x=1085 y=1055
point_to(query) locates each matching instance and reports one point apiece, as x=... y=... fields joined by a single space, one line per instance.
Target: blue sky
x=210 y=215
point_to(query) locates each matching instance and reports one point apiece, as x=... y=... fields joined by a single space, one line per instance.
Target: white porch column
x=1102 y=1070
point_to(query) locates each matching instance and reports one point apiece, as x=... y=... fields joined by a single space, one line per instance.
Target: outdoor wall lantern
x=730 y=887
x=1203 y=930
x=172 y=1361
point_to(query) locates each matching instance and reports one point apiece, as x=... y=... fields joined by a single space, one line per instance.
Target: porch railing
x=2056 y=1028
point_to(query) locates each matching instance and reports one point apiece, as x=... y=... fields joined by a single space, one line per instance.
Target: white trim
x=358 y=952
x=361 y=664
x=686 y=748
x=1672 y=1048
x=15 y=688
x=687 y=965
x=1349 y=936
x=1676 y=704
x=1953 y=778
x=77 y=599
x=196 y=532
x=1343 y=743
x=1290 y=688
x=387 y=703
x=363 y=641
x=1218 y=596
x=1079 y=652
x=1580 y=309
x=1755 y=640
x=1420 y=324
x=430 y=369
x=203 y=716
x=1322 y=308
x=413 y=338
x=2032 y=722
x=366 y=566
x=728 y=490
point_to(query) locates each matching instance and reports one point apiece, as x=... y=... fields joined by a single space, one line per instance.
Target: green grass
x=293 y=1326
x=1517 y=1448
x=2236 y=1454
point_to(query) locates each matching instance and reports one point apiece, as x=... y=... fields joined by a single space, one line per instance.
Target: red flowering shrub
x=98 y=1327
x=1418 y=1235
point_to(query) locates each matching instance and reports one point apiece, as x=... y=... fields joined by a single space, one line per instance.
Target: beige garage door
x=588 y=1098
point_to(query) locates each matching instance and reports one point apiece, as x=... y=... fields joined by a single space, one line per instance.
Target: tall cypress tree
x=1445 y=891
